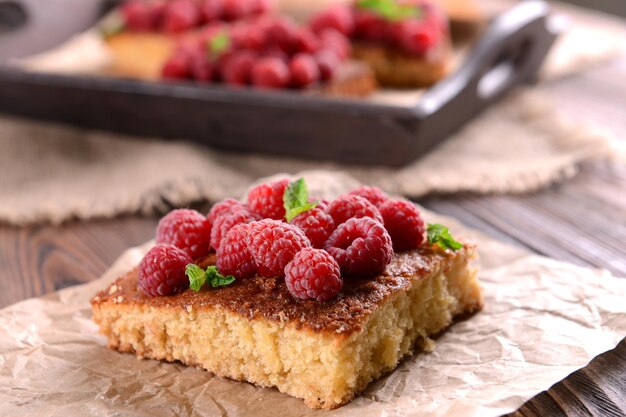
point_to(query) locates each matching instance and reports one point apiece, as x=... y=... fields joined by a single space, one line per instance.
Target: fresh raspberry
x=374 y=195
x=162 y=271
x=369 y=26
x=237 y=68
x=211 y=10
x=180 y=15
x=226 y=222
x=201 y=68
x=404 y=223
x=339 y=18
x=348 y=206
x=316 y=224
x=334 y=41
x=305 y=41
x=270 y=72
x=177 y=67
x=260 y=6
x=233 y=257
x=361 y=247
x=304 y=70
x=414 y=36
x=187 y=230
x=273 y=244
x=251 y=36
x=236 y=9
x=328 y=63
x=283 y=32
x=266 y=200
x=313 y=274
x=225 y=206
x=140 y=16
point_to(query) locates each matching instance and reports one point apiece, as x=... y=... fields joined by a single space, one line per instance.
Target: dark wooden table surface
x=581 y=221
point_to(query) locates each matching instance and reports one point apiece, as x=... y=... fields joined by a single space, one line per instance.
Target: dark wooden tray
x=509 y=53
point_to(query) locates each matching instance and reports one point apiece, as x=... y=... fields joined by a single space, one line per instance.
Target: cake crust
x=268 y=298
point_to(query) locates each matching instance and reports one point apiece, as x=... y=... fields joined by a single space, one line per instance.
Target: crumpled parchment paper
x=543 y=319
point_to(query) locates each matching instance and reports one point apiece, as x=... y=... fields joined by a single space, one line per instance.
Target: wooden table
x=581 y=221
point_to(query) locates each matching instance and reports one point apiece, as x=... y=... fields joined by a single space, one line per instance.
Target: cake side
x=326 y=357
x=399 y=70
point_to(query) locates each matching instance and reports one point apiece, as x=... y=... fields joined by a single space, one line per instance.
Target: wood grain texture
x=581 y=221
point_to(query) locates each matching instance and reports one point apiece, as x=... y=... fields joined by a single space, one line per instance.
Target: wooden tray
x=509 y=53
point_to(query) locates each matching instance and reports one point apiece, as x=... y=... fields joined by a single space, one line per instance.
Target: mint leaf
x=440 y=235
x=390 y=9
x=296 y=199
x=216 y=279
x=197 y=276
x=218 y=44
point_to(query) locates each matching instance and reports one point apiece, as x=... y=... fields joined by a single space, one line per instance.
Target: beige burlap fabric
x=51 y=173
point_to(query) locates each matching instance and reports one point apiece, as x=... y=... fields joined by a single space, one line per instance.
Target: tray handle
x=509 y=53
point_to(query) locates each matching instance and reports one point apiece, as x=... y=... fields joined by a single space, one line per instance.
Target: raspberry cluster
x=174 y=16
x=323 y=243
x=412 y=26
x=265 y=52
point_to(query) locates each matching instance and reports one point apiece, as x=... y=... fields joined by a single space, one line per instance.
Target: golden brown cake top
x=268 y=298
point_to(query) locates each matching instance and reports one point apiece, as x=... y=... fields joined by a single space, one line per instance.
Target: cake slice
x=323 y=352
x=406 y=42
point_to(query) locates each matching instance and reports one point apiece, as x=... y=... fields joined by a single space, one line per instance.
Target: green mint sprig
x=440 y=235
x=296 y=199
x=390 y=9
x=218 y=44
x=198 y=277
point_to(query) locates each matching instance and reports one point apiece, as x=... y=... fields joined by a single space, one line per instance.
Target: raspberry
x=328 y=63
x=187 y=230
x=180 y=15
x=305 y=41
x=236 y=9
x=304 y=70
x=313 y=274
x=273 y=244
x=177 y=67
x=339 y=18
x=237 y=68
x=370 y=26
x=414 y=36
x=270 y=72
x=283 y=32
x=162 y=271
x=140 y=16
x=404 y=224
x=374 y=195
x=316 y=224
x=334 y=41
x=227 y=221
x=211 y=10
x=226 y=206
x=360 y=247
x=201 y=68
x=348 y=206
x=266 y=200
x=233 y=257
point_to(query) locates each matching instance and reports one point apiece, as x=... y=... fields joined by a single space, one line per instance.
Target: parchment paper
x=543 y=319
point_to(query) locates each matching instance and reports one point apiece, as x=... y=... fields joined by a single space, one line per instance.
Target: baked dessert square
x=323 y=352
x=316 y=298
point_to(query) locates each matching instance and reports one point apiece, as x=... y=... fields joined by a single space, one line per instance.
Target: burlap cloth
x=52 y=173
